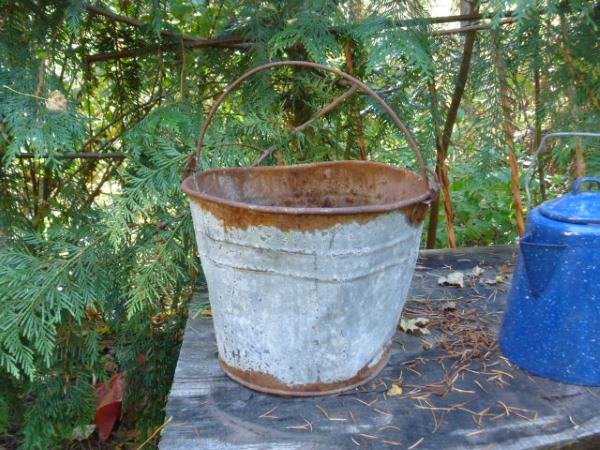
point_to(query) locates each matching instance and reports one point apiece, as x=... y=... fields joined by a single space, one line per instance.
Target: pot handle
x=194 y=161
x=580 y=181
x=541 y=148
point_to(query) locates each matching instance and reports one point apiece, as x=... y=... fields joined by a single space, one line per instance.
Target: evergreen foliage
x=97 y=257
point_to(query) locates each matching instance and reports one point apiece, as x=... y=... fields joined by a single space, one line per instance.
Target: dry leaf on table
x=395 y=391
x=415 y=326
x=477 y=271
x=453 y=279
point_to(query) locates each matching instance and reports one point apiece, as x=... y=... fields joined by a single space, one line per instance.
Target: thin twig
x=165 y=423
x=268 y=415
x=323 y=410
x=416 y=444
x=25 y=94
x=306 y=426
x=466 y=29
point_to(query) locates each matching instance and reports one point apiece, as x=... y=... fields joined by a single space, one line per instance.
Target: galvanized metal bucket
x=308 y=266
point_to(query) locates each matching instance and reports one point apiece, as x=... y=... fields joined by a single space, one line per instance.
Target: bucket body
x=308 y=268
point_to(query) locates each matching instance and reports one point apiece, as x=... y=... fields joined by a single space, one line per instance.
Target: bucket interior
x=352 y=185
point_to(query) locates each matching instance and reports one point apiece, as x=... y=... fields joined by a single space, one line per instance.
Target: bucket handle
x=540 y=150
x=195 y=159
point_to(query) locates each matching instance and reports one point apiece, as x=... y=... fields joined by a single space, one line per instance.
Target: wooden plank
x=523 y=412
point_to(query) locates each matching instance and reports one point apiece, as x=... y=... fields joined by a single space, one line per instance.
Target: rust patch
x=233 y=217
x=309 y=196
x=416 y=213
x=265 y=382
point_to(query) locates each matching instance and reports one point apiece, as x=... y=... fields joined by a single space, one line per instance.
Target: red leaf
x=109 y=399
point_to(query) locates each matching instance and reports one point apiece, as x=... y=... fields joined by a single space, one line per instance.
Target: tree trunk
x=579 y=169
x=362 y=147
x=442 y=174
x=579 y=166
x=443 y=142
x=538 y=128
x=509 y=134
x=350 y=52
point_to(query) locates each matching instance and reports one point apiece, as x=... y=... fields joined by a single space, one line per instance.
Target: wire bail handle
x=195 y=160
x=541 y=148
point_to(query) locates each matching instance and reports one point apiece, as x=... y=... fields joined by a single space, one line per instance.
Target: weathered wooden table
x=449 y=389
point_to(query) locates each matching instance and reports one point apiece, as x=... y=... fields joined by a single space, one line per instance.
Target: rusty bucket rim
x=188 y=188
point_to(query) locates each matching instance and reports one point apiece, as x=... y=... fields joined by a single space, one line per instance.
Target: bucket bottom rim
x=268 y=384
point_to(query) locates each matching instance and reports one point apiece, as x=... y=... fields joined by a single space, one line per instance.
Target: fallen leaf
x=449 y=306
x=415 y=326
x=453 y=279
x=109 y=398
x=506 y=268
x=477 y=271
x=395 y=391
x=206 y=313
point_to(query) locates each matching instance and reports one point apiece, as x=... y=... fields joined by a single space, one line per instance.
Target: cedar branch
x=322 y=112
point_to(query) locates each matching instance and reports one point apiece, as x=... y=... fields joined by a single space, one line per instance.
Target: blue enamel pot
x=551 y=326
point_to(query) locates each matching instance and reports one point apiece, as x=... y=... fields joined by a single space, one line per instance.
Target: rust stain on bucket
x=266 y=382
x=309 y=196
x=234 y=217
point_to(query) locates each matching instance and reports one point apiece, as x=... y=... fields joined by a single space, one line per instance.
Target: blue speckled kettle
x=552 y=323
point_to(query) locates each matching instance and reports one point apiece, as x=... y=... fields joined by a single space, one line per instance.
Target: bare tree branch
x=105 y=12
x=81 y=155
x=190 y=42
